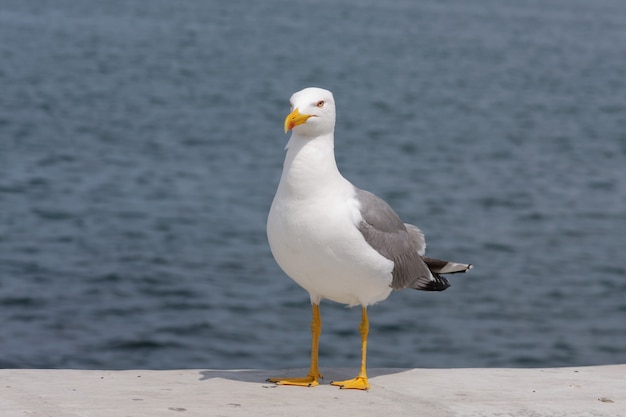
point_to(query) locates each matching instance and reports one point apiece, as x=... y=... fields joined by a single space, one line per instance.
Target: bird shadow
x=260 y=376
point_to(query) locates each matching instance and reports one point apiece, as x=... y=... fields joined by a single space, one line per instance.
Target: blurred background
x=141 y=144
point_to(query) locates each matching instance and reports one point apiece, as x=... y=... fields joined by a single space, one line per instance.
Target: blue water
x=141 y=144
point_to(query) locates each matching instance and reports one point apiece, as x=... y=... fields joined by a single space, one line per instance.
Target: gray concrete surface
x=583 y=391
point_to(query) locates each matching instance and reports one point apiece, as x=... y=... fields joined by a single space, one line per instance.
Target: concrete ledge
x=584 y=391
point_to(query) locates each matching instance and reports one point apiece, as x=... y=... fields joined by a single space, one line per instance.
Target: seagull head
x=312 y=112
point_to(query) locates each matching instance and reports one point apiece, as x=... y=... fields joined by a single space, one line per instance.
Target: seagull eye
x=320 y=104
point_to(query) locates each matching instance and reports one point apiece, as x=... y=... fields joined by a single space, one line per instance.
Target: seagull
x=337 y=241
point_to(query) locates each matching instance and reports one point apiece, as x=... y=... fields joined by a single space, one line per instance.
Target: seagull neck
x=310 y=164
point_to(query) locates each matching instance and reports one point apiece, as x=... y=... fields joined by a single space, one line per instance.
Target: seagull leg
x=312 y=379
x=360 y=382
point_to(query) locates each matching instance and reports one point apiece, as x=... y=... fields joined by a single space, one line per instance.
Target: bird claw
x=307 y=381
x=360 y=382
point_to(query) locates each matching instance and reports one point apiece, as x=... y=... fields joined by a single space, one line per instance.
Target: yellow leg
x=360 y=382
x=312 y=379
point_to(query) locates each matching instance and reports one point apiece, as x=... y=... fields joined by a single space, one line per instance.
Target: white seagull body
x=336 y=241
x=313 y=233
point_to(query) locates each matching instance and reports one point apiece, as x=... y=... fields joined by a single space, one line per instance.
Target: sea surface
x=141 y=144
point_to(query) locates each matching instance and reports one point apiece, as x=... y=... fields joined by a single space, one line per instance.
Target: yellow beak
x=294 y=119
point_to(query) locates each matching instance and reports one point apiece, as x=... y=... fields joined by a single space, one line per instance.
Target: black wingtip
x=439 y=284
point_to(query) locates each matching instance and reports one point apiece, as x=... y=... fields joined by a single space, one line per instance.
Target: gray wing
x=419 y=242
x=384 y=231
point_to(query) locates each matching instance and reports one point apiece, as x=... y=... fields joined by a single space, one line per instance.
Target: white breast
x=316 y=242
